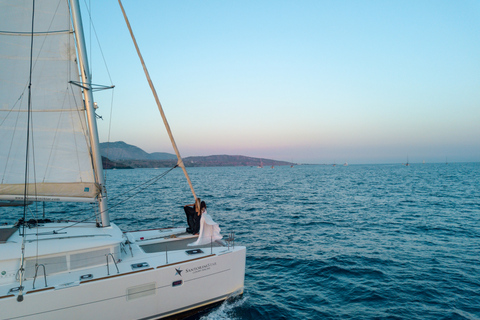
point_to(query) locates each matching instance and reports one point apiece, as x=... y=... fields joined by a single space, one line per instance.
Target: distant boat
x=345 y=164
x=261 y=164
x=407 y=164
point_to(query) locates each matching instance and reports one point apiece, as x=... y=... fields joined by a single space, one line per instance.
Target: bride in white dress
x=209 y=229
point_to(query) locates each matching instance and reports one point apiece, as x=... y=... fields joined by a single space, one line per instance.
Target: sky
x=301 y=81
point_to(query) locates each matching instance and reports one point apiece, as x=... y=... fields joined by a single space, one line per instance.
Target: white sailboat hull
x=168 y=283
x=80 y=270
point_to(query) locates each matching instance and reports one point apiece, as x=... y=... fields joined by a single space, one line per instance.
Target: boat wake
x=227 y=310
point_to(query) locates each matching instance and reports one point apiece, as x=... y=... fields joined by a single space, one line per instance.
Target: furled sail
x=59 y=159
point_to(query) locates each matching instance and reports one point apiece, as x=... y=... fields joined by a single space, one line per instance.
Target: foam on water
x=227 y=310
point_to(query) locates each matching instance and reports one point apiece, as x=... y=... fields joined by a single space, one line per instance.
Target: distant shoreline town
x=120 y=155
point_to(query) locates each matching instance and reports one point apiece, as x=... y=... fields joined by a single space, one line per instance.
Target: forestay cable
x=140 y=189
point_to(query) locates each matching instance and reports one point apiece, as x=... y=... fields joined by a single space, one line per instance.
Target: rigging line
x=38 y=33
x=152 y=181
x=109 y=130
x=92 y=25
x=145 y=185
x=89 y=7
x=29 y=113
x=54 y=139
x=20 y=98
x=78 y=222
x=74 y=128
x=32 y=66
x=37 y=248
x=30 y=130
x=70 y=94
x=33 y=165
x=31 y=33
x=29 y=107
x=80 y=113
x=13 y=137
x=21 y=270
x=149 y=182
x=110 y=207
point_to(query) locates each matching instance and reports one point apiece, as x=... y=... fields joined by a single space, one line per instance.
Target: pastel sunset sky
x=303 y=81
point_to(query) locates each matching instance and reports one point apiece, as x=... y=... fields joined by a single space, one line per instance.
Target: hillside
x=122 y=155
x=120 y=150
x=226 y=160
x=109 y=164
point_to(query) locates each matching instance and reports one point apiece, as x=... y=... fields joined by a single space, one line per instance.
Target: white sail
x=92 y=268
x=60 y=163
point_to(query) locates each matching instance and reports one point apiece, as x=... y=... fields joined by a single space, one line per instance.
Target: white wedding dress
x=209 y=231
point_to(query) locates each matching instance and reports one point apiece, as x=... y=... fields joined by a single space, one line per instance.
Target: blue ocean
x=325 y=242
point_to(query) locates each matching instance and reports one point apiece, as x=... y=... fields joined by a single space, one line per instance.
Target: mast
x=91 y=120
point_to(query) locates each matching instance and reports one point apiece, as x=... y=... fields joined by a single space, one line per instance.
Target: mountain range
x=120 y=150
x=120 y=155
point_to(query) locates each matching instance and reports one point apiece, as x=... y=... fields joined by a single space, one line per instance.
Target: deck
x=179 y=243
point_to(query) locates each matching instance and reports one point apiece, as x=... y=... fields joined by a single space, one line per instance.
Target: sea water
x=324 y=242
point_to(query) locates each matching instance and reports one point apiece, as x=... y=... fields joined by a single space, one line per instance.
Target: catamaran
x=49 y=151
